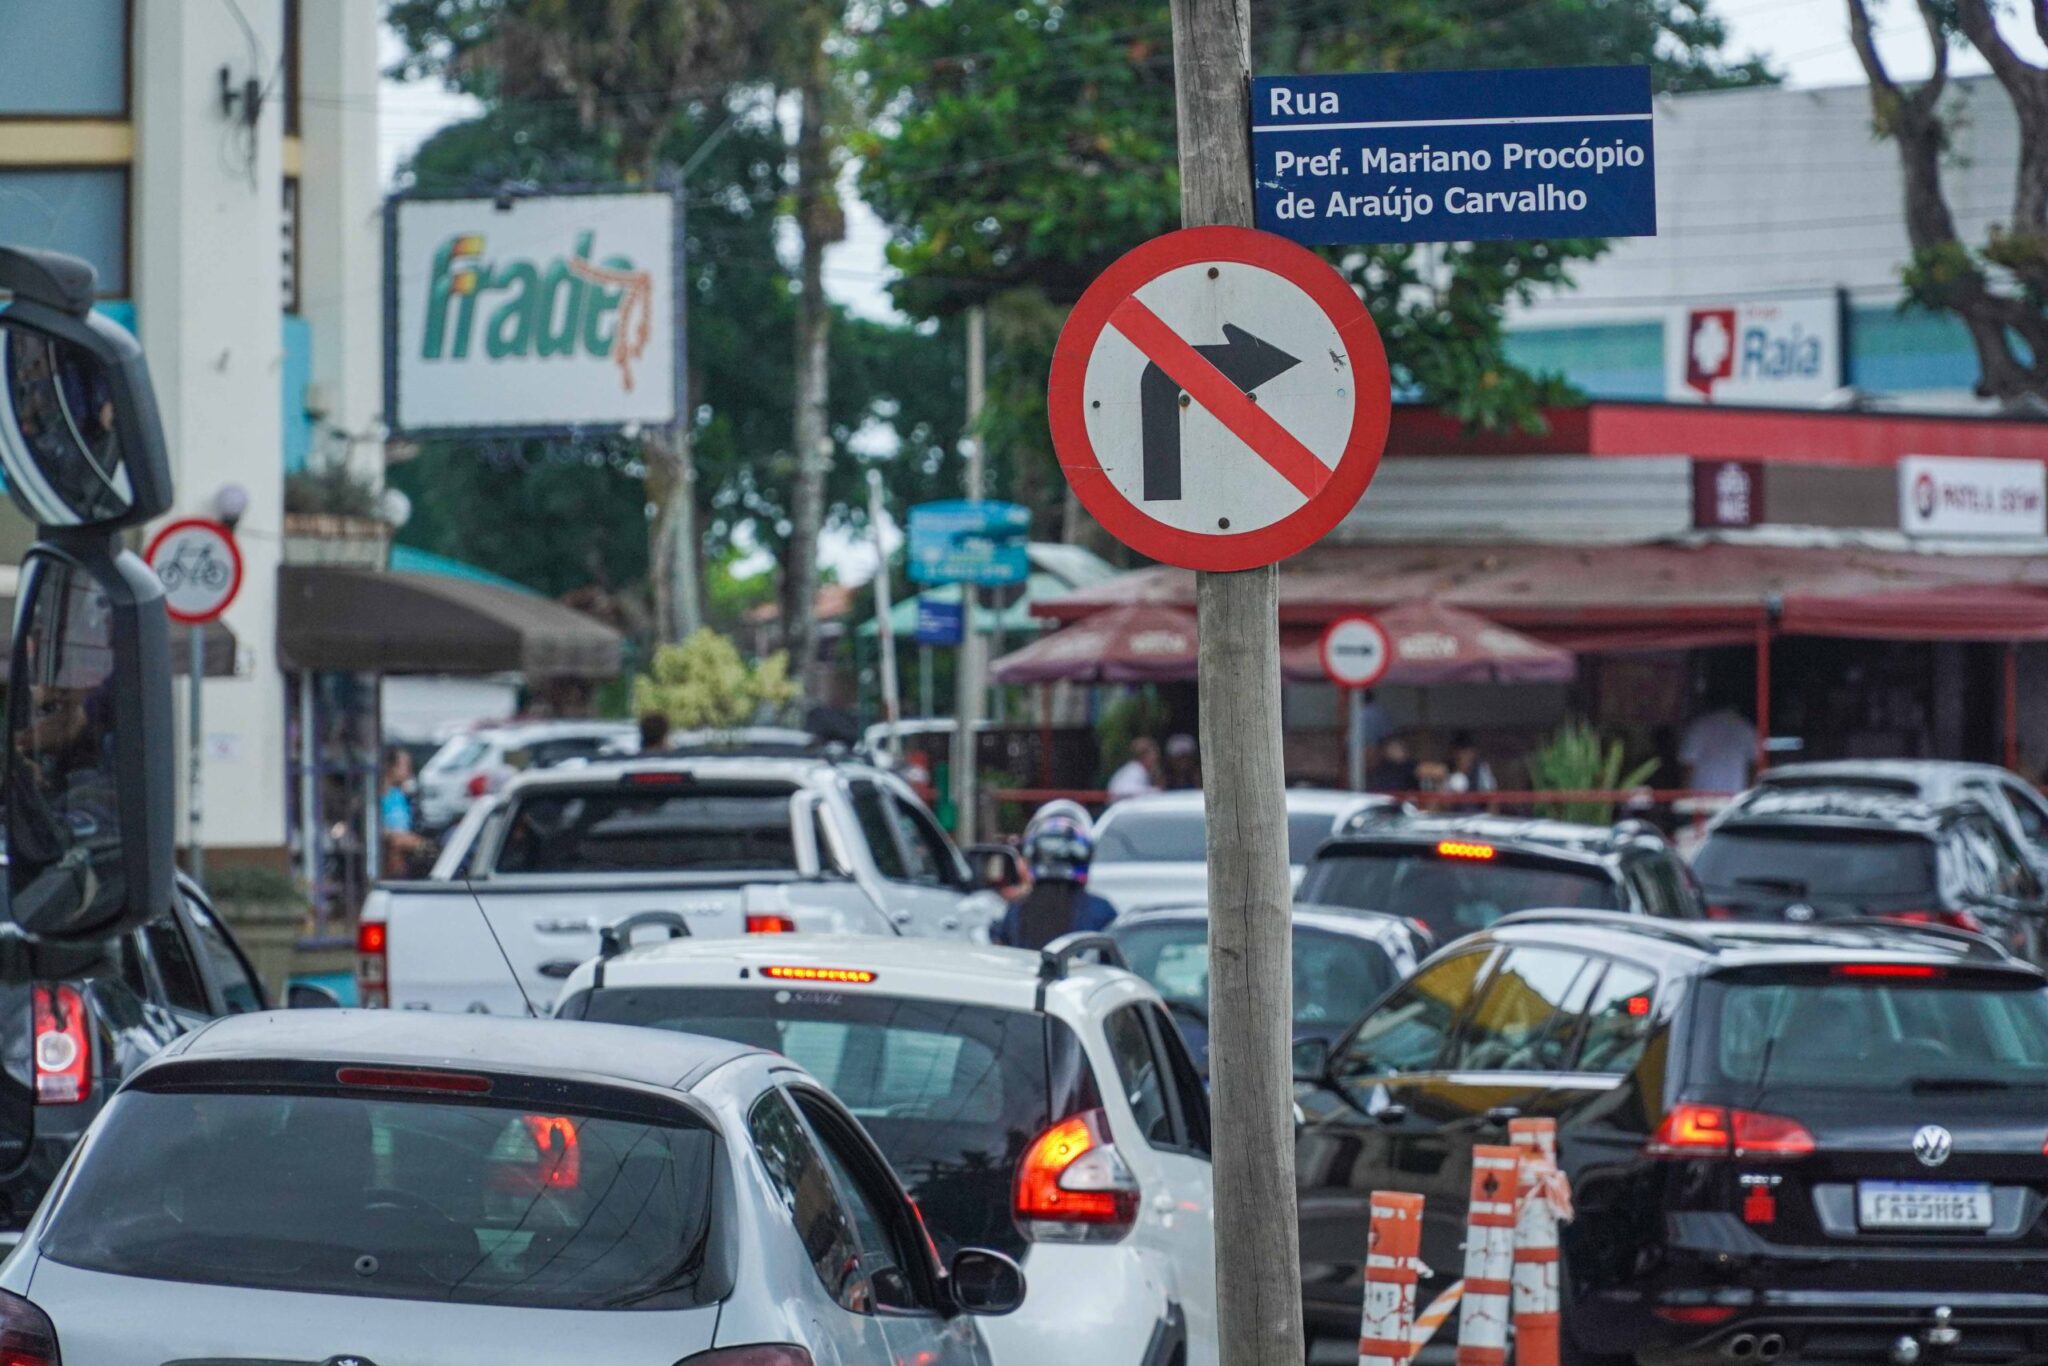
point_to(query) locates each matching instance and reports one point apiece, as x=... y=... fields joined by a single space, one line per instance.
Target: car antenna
x=531 y=1012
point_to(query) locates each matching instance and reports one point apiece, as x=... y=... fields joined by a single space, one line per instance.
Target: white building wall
x=1566 y=499
x=208 y=299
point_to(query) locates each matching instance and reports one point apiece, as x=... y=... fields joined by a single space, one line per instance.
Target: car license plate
x=1923 y=1204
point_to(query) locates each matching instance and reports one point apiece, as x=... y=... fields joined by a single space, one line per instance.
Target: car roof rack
x=1670 y=931
x=615 y=939
x=1055 y=958
x=1980 y=946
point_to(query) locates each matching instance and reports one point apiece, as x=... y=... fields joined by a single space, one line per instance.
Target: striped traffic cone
x=1536 y=1296
x=1489 y=1258
x=1392 y=1267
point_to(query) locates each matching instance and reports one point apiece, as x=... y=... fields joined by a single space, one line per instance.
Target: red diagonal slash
x=1227 y=403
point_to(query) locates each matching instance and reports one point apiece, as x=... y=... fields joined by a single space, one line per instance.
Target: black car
x=1808 y=856
x=1453 y=875
x=1810 y=1143
x=75 y=1021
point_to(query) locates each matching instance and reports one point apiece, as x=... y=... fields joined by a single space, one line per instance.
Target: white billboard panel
x=538 y=314
x=1943 y=495
x=1766 y=351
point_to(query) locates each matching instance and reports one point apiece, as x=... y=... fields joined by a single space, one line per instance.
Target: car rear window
x=1181 y=836
x=398 y=1199
x=1335 y=976
x=458 y=753
x=650 y=830
x=1452 y=896
x=951 y=1093
x=1817 y=1029
x=1796 y=862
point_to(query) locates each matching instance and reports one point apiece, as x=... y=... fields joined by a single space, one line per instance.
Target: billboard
x=541 y=314
x=1952 y=496
x=1786 y=352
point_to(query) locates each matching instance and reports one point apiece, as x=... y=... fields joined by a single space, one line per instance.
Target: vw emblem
x=348 y=1361
x=1799 y=912
x=1932 y=1145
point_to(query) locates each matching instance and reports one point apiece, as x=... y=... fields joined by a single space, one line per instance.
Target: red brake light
x=27 y=1337
x=743 y=1356
x=1954 y=920
x=1464 y=849
x=63 y=1053
x=852 y=977
x=658 y=777
x=479 y=783
x=1692 y=1130
x=1720 y=913
x=770 y=924
x=373 y=966
x=1913 y=970
x=407 y=1079
x=1695 y=1315
x=1072 y=1185
x=1638 y=1006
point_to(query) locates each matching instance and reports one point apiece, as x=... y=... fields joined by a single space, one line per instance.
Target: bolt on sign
x=536 y=315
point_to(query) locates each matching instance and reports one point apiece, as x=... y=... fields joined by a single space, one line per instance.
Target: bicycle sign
x=200 y=566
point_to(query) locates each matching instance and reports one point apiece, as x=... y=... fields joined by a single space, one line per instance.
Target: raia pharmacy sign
x=1760 y=351
x=540 y=314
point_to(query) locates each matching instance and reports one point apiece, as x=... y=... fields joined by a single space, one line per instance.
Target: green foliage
x=268 y=886
x=703 y=684
x=1577 y=759
x=335 y=488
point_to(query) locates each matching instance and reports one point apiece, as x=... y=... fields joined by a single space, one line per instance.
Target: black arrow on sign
x=1243 y=359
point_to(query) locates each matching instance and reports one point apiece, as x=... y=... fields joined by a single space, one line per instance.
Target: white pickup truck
x=731 y=845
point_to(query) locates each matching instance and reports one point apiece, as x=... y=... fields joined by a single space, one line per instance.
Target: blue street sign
x=1455 y=156
x=979 y=543
x=938 y=623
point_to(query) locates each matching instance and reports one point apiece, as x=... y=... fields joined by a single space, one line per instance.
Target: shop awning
x=1643 y=597
x=331 y=617
x=1436 y=643
x=1121 y=645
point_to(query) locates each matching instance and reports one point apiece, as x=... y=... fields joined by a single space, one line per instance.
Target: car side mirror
x=985 y=1283
x=997 y=867
x=310 y=996
x=1312 y=1061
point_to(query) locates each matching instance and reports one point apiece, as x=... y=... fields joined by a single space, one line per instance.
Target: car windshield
x=1336 y=976
x=1452 y=896
x=650 y=829
x=400 y=1199
x=952 y=1093
x=1181 y=836
x=1815 y=1029
x=459 y=753
x=1794 y=862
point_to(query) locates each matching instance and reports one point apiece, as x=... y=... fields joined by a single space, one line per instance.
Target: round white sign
x=200 y=568
x=1356 y=652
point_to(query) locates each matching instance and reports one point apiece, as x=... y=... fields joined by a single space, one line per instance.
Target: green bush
x=1578 y=759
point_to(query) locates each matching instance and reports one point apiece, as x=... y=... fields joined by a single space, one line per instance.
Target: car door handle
x=559 y=968
x=900 y=917
x=1501 y=1114
x=1391 y=1114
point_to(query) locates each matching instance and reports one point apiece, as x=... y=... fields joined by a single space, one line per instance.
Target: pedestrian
x=403 y=846
x=1058 y=848
x=1469 y=772
x=653 y=732
x=1140 y=773
x=1394 y=770
x=1183 y=762
x=1718 y=751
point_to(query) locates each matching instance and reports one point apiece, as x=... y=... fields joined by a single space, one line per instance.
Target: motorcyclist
x=1058 y=846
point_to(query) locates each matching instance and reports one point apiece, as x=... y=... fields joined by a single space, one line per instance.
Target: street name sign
x=1455 y=156
x=1219 y=398
x=200 y=567
x=1356 y=652
x=981 y=543
x=938 y=623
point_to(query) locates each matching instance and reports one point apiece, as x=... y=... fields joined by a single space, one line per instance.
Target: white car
x=1030 y=1102
x=454 y=1191
x=480 y=762
x=1153 y=850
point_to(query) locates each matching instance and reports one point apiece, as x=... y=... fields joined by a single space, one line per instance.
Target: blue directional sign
x=978 y=543
x=1455 y=156
x=939 y=623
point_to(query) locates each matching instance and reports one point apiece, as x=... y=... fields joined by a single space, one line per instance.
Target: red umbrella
x=1141 y=644
x=1437 y=643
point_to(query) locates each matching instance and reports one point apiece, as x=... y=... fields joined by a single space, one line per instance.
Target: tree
x=1016 y=147
x=1998 y=289
x=703 y=683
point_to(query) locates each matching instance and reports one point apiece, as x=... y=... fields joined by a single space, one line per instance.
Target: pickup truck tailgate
x=443 y=940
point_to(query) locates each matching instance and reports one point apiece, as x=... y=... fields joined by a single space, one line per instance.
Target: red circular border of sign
x=1323 y=649
x=1355 y=468
x=234 y=559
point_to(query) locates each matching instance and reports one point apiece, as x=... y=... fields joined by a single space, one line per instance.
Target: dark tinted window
x=1453 y=896
x=931 y=855
x=1813 y=1030
x=1758 y=864
x=470 y=1204
x=1335 y=976
x=885 y=1262
x=1186 y=1080
x=1143 y=1078
x=1529 y=1016
x=878 y=828
x=1407 y=1032
x=238 y=989
x=656 y=828
x=1181 y=837
x=1619 y=1020
x=2033 y=816
x=183 y=988
x=952 y=1094
x=800 y=1176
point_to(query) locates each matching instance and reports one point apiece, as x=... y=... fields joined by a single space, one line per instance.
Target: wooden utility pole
x=1251 y=978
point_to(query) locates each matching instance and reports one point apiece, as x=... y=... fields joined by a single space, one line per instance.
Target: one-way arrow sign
x=1244 y=360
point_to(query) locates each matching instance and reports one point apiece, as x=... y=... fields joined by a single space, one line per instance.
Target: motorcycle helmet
x=1058 y=848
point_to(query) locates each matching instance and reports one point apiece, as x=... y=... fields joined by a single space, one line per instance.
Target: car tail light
x=373 y=967
x=1468 y=849
x=479 y=783
x=1073 y=1185
x=27 y=1337
x=1918 y=971
x=770 y=924
x=1720 y=912
x=765 y=1355
x=1954 y=920
x=1692 y=1130
x=845 y=977
x=1695 y=1315
x=411 y=1079
x=63 y=1052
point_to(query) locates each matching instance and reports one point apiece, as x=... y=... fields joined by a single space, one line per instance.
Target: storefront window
x=83 y=212
x=65 y=60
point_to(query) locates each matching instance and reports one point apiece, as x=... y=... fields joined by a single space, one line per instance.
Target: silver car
x=446 y=1190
